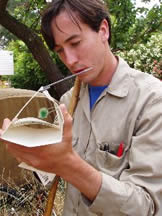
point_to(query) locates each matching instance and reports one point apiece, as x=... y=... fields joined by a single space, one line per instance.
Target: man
x=112 y=163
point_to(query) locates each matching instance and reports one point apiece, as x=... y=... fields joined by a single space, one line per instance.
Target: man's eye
x=59 y=50
x=75 y=43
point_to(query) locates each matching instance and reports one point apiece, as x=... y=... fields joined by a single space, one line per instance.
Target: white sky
x=148 y=5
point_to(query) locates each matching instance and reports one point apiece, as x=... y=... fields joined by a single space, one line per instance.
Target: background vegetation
x=136 y=36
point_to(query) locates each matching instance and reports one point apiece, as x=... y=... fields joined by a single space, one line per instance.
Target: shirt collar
x=119 y=85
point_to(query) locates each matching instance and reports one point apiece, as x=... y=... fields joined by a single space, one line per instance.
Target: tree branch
x=3 y=5
x=37 y=48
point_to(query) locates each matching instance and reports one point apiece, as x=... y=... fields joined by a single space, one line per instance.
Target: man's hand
x=60 y=159
x=50 y=158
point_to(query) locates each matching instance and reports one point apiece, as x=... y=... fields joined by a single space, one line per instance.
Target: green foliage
x=137 y=35
x=132 y=25
x=5 y=37
x=146 y=57
x=123 y=15
x=146 y=25
x=28 y=13
x=27 y=71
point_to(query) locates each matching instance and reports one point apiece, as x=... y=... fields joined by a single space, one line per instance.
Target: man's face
x=81 y=47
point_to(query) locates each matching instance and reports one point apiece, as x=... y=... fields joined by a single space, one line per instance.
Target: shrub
x=146 y=57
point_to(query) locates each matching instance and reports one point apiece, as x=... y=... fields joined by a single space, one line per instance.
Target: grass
x=28 y=198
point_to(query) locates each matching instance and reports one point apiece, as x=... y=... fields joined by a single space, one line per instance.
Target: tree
x=33 y=41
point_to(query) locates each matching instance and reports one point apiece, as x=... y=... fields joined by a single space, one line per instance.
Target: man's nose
x=71 y=58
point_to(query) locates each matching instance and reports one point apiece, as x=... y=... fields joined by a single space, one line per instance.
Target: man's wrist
x=83 y=176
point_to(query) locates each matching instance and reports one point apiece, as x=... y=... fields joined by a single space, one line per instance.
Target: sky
x=148 y=5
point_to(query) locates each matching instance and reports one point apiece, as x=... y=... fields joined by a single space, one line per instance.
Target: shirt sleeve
x=138 y=191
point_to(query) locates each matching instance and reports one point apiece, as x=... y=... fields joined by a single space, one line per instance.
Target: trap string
x=43 y=89
x=34 y=95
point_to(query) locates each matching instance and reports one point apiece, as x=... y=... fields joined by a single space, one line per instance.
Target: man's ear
x=104 y=30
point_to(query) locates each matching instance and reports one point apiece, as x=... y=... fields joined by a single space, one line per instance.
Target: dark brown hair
x=90 y=12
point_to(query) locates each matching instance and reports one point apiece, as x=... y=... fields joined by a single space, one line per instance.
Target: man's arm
x=138 y=191
x=60 y=159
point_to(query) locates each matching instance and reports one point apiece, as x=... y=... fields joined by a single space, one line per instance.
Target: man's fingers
x=6 y=123
x=1 y=132
x=67 y=121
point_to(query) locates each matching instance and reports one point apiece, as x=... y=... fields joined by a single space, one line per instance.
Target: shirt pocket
x=109 y=163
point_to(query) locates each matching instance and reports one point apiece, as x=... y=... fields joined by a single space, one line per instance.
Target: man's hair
x=90 y=12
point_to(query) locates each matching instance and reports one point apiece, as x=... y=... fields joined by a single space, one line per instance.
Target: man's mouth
x=80 y=71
